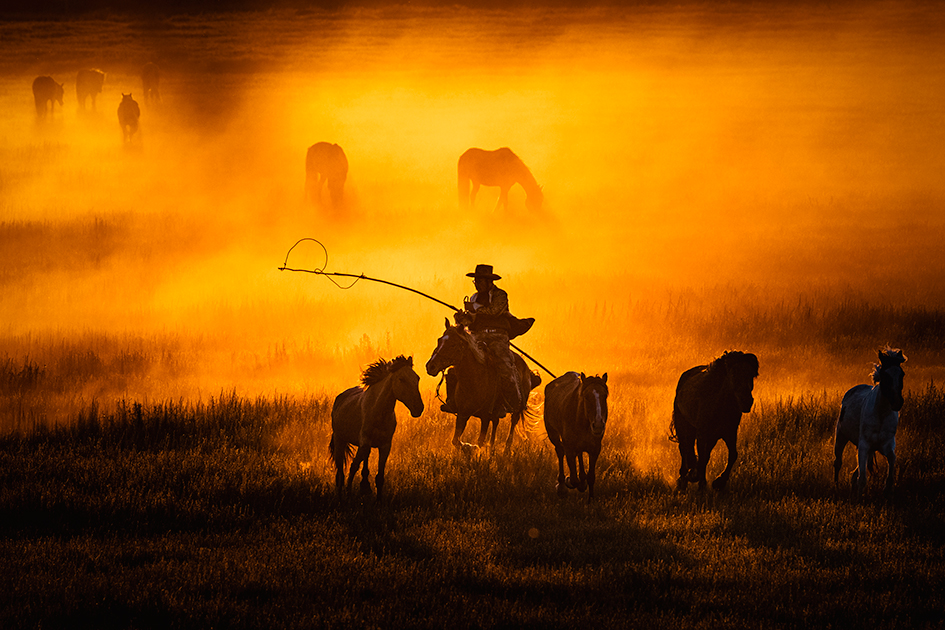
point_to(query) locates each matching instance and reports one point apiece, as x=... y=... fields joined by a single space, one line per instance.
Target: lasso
x=357 y=277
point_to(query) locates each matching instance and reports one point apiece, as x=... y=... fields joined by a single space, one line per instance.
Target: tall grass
x=222 y=513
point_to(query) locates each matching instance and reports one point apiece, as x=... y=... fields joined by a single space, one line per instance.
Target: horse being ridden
x=575 y=419
x=364 y=416
x=710 y=400
x=500 y=168
x=474 y=384
x=869 y=417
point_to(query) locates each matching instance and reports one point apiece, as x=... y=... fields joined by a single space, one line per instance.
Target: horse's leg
x=337 y=454
x=582 y=474
x=473 y=193
x=503 y=200
x=703 y=451
x=730 y=444
x=562 y=487
x=687 y=464
x=383 y=452
x=574 y=478
x=359 y=458
x=461 y=421
x=840 y=443
x=366 y=475
x=863 y=456
x=591 y=473
x=516 y=416
x=889 y=451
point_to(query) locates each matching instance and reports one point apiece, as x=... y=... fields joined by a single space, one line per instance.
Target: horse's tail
x=672 y=427
x=339 y=454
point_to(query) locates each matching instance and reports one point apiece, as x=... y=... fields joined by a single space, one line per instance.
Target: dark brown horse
x=364 y=417
x=476 y=391
x=88 y=84
x=46 y=90
x=575 y=419
x=710 y=401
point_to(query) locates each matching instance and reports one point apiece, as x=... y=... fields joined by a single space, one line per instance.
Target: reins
x=332 y=274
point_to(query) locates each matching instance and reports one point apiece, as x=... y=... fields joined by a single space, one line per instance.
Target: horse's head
x=741 y=370
x=534 y=200
x=406 y=384
x=890 y=376
x=452 y=345
x=593 y=402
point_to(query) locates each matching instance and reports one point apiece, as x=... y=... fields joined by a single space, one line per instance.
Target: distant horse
x=151 y=82
x=88 y=84
x=710 y=401
x=364 y=417
x=472 y=385
x=500 y=168
x=46 y=90
x=869 y=417
x=325 y=162
x=575 y=419
x=128 y=114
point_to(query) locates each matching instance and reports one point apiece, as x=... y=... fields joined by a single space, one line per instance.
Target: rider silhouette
x=486 y=315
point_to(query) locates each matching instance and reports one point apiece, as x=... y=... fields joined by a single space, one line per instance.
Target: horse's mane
x=477 y=352
x=594 y=381
x=528 y=178
x=378 y=371
x=888 y=357
x=731 y=356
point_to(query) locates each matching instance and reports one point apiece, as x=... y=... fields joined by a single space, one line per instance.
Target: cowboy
x=487 y=316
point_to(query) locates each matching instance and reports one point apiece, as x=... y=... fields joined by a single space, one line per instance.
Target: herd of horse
x=325 y=163
x=89 y=83
x=708 y=406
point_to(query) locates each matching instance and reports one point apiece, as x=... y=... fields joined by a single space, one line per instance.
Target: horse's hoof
x=681 y=484
x=719 y=484
x=568 y=483
x=561 y=489
x=581 y=487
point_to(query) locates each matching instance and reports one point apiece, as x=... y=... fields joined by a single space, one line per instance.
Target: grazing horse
x=325 y=162
x=151 y=82
x=46 y=90
x=364 y=416
x=575 y=419
x=869 y=416
x=88 y=84
x=472 y=385
x=500 y=168
x=128 y=114
x=710 y=400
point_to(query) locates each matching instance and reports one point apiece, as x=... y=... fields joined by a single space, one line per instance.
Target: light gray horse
x=869 y=416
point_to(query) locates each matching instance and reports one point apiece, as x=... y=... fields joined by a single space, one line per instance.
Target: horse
x=325 y=162
x=128 y=114
x=575 y=419
x=46 y=90
x=364 y=416
x=869 y=416
x=472 y=385
x=708 y=407
x=88 y=84
x=500 y=168
x=151 y=82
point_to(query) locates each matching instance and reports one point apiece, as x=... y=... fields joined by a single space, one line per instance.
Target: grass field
x=758 y=177
x=223 y=514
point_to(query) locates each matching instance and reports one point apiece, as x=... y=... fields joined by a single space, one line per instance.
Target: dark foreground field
x=221 y=515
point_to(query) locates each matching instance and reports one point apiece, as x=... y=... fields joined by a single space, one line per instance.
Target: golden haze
x=697 y=166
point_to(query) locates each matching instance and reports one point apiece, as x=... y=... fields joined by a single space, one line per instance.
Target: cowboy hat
x=484 y=271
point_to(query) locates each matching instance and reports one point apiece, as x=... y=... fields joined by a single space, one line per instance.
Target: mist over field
x=758 y=178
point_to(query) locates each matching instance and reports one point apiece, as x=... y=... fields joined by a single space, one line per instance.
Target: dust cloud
x=710 y=179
